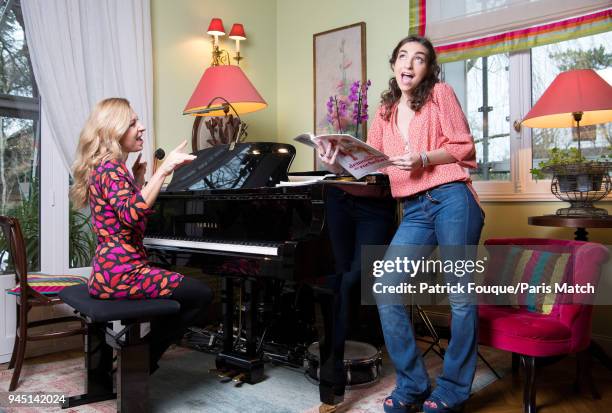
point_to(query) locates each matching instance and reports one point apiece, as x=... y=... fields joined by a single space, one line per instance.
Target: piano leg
x=250 y=315
x=249 y=364
x=227 y=307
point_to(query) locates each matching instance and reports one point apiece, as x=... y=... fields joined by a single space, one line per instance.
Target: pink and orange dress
x=120 y=269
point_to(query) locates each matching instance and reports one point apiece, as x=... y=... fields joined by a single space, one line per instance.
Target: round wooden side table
x=580 y=223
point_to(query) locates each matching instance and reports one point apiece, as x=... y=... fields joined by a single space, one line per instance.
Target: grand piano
x=223 y=215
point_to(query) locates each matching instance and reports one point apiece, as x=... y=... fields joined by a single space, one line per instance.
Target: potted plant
x=573 y=171
x=577 y=180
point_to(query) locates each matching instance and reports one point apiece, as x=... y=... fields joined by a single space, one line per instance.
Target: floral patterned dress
x=120 y=269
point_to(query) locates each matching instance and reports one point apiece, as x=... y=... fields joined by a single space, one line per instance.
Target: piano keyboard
x=245 y=248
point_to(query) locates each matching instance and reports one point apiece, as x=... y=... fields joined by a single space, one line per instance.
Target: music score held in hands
x=355 y=156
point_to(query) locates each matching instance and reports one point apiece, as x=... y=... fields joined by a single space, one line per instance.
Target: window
x=33 y=180
x=19 y=135
x=498 y=90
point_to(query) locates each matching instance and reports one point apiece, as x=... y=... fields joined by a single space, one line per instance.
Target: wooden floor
x=554 y=392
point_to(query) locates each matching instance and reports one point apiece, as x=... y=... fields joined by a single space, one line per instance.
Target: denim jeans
x=445 y=215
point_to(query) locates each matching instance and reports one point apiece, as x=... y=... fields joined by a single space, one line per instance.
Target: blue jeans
x=445 y=215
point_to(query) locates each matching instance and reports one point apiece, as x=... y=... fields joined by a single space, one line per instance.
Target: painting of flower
x=340 y=86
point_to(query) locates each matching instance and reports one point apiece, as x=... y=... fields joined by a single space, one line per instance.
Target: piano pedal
x=239 y=379
x=227 y=376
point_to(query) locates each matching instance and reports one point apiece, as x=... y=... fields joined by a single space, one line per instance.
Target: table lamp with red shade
x=575 y=98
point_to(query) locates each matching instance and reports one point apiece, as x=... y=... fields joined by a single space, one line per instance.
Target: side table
x=580 y=223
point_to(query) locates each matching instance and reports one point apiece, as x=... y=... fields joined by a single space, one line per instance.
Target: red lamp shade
x=228 y=82
x=237 y=32
x=581 y=90
x=216 y=27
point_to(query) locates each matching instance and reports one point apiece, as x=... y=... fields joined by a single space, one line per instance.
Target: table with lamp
x=576 y=98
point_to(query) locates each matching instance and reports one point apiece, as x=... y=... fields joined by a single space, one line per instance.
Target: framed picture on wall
x=339 y=60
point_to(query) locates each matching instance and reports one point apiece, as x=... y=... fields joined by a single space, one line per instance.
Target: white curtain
x=83 y=51
x=459 y=20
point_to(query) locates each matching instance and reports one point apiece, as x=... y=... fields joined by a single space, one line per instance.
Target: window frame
x=54 y=204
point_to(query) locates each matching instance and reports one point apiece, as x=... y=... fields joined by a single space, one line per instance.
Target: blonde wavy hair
x=99 y=142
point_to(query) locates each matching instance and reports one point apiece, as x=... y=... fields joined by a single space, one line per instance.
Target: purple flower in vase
x=344 y=111
x=330 y=110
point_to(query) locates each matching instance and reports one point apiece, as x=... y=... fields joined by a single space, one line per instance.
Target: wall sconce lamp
x=216 y=29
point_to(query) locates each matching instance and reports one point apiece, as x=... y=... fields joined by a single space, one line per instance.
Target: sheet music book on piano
x=355 y=156
x=299 y=180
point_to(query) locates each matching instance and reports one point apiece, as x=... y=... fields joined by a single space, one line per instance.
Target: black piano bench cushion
x=109 y=310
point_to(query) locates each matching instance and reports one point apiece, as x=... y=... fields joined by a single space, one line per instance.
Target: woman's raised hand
x=176 y=159
x=327 y=152
x=139 y=169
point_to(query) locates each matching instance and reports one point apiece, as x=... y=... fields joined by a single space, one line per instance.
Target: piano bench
x=132 y=350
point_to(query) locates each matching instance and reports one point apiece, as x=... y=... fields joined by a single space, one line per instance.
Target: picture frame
x=339 y=59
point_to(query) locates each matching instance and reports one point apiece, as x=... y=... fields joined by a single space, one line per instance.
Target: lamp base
x=583 y=209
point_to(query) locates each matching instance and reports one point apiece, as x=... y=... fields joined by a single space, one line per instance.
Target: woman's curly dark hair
x=422 y=91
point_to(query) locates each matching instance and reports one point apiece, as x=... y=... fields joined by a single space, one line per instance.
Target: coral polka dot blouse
x=439 y=124
x=120 y=269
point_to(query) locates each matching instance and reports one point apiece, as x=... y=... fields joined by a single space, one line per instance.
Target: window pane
x=592 y=52
x=19 y=185
x=482 y=86
x=19 y=136
x=16 y=70
x=82 y=241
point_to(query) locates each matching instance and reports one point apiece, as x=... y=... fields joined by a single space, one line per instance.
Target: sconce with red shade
x=237 y=33
x=216 y=29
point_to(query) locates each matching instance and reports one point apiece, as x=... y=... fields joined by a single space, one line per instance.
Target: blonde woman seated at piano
x=119 y=207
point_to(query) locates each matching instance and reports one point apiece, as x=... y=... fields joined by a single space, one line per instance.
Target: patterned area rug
x=183 y=384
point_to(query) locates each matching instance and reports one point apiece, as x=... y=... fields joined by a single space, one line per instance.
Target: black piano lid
x=248 y=165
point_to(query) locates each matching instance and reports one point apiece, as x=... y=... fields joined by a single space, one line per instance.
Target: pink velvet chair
x=532 y=336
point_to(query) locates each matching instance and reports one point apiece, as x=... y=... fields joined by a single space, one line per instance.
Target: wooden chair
x=27 y=299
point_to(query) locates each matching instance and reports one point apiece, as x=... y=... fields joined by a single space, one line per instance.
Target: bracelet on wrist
x=424 y=159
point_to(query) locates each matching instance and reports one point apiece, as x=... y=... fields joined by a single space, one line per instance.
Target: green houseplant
x=577 y=180
x=573 y=170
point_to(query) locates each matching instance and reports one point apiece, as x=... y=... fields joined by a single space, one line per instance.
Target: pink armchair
x=532 y=335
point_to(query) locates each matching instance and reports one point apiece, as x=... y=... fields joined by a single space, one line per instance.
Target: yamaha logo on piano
x=206 y=225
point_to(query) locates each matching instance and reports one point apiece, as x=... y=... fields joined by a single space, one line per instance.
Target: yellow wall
x=182 y=51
